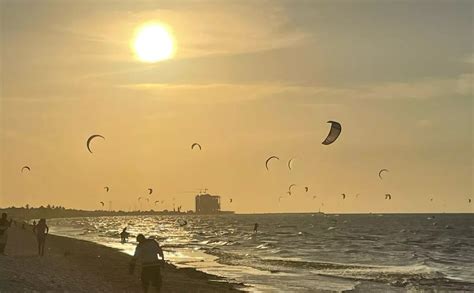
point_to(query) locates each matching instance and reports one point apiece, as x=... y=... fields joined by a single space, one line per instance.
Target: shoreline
x=73 y=265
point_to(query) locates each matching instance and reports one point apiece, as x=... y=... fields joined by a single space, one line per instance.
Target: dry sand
x=71 y=265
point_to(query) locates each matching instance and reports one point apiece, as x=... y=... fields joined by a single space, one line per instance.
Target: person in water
x=4 y=225
x=124 y=235
x=255 y=228
x=147 y=252
x=41 y=230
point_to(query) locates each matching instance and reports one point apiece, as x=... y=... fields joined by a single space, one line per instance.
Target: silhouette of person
x=41 y=231
x=147 y=252
x=124 y=235
x=255 y=228
x=4 y=225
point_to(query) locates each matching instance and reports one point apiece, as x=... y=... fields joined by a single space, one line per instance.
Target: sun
x=153 y=42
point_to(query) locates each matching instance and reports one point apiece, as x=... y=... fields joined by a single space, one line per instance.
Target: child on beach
x=4 y=225
x=147 y=252
x=41 y=230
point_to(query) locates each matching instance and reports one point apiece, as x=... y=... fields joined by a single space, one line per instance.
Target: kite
x=290 y=163
x=381 y=171
x=90 y=139
x=269 y=159
x=196 y=144
x=334 y=132
x=25 y=168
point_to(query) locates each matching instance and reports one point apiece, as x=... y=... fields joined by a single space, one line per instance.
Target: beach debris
x=150 y=190
x=102 y=203
x=290 y=163
x=269 y=159
x=106 y=188
x=381 y=171
x=25 y=168
x=343 y=195
x=89 y=140
x=388 y=196
x=196 y=145
x=334 y=132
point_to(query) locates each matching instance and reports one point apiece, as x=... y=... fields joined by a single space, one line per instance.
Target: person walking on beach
x=4 y=225
x=41 y=230
x=147 y=252
x=124 y=235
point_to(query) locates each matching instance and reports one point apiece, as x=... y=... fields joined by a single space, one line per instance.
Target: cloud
x=230 y=92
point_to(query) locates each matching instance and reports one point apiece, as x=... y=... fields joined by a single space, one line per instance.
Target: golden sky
x=248 y=80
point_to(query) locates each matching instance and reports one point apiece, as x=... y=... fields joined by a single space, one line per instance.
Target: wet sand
x=71 y=265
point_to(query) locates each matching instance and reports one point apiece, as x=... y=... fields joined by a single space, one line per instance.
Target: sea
x=305 y=252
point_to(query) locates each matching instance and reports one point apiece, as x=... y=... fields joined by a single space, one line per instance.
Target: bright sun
x=153 y=43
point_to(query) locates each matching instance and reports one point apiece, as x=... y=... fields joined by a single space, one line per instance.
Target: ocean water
x=306 y=252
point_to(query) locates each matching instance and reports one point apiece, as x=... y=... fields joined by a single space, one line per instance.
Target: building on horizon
x=208 y=204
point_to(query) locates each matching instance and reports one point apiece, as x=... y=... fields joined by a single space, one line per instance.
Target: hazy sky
x=249 y=80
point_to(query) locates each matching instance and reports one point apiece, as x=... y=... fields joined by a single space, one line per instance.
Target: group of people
x=146 y=252
x=40 y=230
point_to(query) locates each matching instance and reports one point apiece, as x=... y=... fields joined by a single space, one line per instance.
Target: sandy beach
x=71 y=265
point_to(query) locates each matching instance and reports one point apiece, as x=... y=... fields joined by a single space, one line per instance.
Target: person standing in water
x=4 y=225
x=41 y=230
x=147 y=252
x=124 y=235
x=255 y=228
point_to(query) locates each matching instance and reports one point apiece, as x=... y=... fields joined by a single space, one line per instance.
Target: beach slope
x=71 y=265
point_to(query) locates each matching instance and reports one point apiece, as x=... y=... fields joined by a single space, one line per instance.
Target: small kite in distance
x=469 y=200
x=139 y=198
x=388 y=196
x=290 y=163
x=269 y=159
x=334 y=132
x=102 y=203
x=381 y=171
x=157 y=201
x=196 y=145
x=291 y=185
x=314 y=196
x=25 y=168
x=106 y=189
x=343 y=195
x=306 y=188
x=230 y=200
x=150 y=190
x=90 y=139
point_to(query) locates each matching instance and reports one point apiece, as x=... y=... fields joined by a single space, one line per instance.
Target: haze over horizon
x=246 y=82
